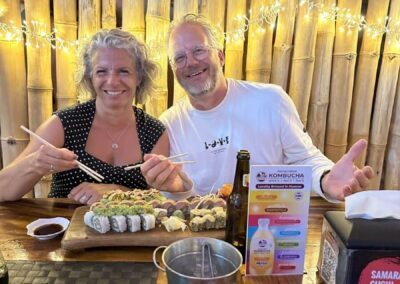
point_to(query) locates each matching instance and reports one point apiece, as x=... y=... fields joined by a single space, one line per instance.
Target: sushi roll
x=197 y=224
x=127 y=203
x=206 y=203
x=111 y=204
x=143 y=209
x=216 y=210
x=133 y=222
x=219 y=202
x=96 y=204
x=159 y=213
x=88 y=218
x=195 y=213
x=101 y=224
x=194 y=202
x=184 y=206
x=220 y=219
x=140 y=202
x=199 y=213
x=118 y=219
x=155 y=203
x=116 y=195
x=169 y=205
x=118 y=223
x=209 y=222
x=179 y=214
x=148 y=221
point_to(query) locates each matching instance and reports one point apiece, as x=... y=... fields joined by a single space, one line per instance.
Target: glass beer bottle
x=236 y=222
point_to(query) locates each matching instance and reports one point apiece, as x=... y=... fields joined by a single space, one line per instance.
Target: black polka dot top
x=77 y=121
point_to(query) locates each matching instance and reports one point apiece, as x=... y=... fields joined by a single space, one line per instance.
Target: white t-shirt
x=260 y=118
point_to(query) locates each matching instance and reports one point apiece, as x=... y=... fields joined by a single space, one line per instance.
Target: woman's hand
x=48 y=160
x=88 y=193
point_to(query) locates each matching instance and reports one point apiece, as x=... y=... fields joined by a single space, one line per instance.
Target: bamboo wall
x=343 y=80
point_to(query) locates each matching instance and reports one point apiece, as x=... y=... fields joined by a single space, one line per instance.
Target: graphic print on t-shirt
x=217 y=145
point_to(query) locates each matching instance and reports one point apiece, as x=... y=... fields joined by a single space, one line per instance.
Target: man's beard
x=200 y=90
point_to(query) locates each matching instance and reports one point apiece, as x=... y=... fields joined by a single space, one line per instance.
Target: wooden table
x=15 y=244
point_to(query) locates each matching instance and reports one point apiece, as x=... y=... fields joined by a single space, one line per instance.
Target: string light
x=36 y=34
x=266 y=15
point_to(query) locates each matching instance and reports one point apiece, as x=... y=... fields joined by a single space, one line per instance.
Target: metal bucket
x=200 y=260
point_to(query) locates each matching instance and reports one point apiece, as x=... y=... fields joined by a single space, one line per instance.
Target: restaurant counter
x=16 y=245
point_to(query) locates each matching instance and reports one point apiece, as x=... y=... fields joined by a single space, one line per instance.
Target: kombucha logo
x=262 y=243
x=261 y=176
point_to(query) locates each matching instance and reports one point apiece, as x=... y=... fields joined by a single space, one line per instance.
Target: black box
x=359 y=250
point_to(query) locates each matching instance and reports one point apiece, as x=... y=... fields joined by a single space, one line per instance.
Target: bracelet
x=320 y=180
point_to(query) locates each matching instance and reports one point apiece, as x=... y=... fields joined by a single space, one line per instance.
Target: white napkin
x=373 y=204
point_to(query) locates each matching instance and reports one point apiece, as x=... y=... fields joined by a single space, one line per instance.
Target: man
x=221 y=116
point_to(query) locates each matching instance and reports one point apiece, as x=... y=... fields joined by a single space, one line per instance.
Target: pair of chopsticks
x=169 y=158
x=83 y=167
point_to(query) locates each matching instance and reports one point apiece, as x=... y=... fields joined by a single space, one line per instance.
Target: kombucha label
x=280 y=194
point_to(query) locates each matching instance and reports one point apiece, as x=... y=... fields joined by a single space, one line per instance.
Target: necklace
x=114 y=142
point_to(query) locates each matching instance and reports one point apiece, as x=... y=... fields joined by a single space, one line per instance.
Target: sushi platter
x=79 y=236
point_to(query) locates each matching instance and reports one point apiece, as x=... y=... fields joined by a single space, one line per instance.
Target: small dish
x=47 y=228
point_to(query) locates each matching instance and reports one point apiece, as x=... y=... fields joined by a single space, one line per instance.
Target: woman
x=106 y=133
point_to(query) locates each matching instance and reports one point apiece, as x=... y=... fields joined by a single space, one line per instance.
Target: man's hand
x=163 y=174
x=345 y=178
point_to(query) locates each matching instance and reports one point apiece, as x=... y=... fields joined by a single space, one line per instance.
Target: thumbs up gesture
x=345 y=178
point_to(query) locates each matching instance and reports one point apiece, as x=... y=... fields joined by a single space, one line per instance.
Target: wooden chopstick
x=168 y=158
x=82 y=166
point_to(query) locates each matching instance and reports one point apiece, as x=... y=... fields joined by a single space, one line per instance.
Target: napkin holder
x=359 y=250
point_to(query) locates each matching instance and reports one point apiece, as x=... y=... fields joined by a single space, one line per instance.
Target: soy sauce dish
x=47 y=228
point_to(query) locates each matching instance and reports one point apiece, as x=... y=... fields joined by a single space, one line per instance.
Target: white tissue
x=373 y=204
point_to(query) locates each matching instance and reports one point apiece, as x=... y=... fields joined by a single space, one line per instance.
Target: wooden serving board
x=79 y=236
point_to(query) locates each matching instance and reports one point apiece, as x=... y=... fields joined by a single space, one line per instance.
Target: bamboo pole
x=303 y=59
x=13 y=95
x=39 y=84
x=283 y=46
x=157 y=24
x=182 y=7
x=259 y=48
x=384 y=100
x=214 y=10
x=392 y=165
x=234 y=47
x=89 y=23
x=108 y=14
x=66 y=28
x=366 y=76
x=89 y=18
x=1 y=152
x=133 y=17
x=319 y=99
x=344 y=60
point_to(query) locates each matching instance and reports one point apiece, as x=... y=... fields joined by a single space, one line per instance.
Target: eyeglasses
x=199 y=52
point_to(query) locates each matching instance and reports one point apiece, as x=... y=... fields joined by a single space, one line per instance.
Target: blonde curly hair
x=146 y=69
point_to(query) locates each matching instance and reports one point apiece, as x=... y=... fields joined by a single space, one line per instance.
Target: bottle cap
x=243 y=154
x=263 y=222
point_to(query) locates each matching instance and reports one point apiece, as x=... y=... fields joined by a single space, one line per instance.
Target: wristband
x=320 y=180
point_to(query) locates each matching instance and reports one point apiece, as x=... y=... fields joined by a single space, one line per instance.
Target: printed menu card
x=279 y=199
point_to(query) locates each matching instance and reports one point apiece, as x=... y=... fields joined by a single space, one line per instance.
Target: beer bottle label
x=246 y=180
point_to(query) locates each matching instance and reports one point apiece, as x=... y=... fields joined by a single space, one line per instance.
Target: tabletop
x=16 y=245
